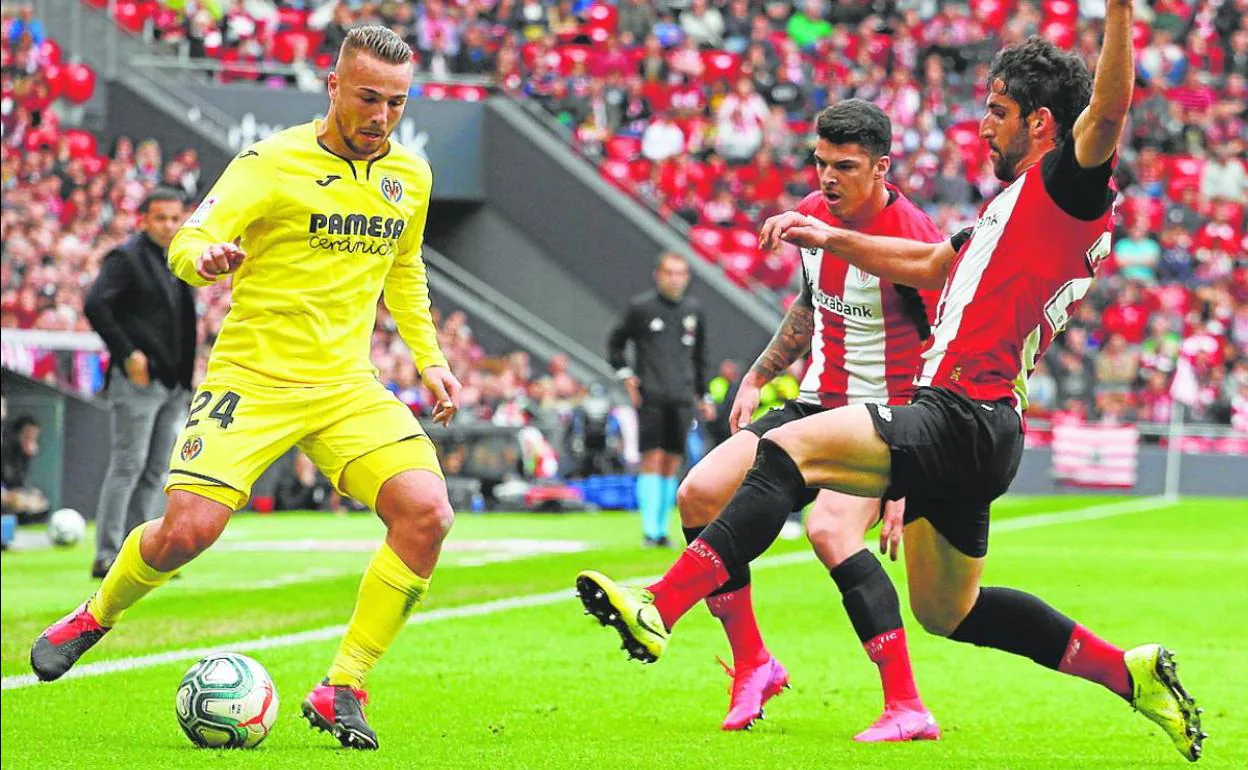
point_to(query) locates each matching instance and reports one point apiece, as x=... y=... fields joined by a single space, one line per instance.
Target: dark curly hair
x=1038 y=74
x=854 y=121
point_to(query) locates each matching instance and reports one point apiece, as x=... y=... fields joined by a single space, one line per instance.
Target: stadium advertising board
x=448 y=133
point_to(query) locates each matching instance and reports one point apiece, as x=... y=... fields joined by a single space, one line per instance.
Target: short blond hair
x=376 y=41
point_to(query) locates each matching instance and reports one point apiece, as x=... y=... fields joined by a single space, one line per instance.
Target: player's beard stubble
x=346 y=133
x=1006 y=165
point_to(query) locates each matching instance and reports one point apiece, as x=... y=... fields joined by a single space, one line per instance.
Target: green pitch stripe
x=1094 y=512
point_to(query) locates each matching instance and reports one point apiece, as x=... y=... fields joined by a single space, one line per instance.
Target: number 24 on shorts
x=222 y=411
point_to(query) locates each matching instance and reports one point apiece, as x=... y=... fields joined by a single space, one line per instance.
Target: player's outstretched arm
x=900 y=260
x=1099 y=127
x=203 y=249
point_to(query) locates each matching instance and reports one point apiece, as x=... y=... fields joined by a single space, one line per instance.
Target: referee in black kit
x=666 y=382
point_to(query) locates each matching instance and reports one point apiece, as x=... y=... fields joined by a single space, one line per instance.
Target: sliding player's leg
x=233 y=433
x=945 y=551
x=836 y=526
x=841 y=449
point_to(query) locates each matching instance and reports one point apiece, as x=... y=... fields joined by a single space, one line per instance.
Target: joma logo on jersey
x=356 y=224
x=834 y=304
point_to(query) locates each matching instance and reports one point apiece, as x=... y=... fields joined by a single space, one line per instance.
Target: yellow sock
x=128 y=580
x=388 y=594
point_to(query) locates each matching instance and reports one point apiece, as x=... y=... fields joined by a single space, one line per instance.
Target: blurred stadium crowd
x=702 y=110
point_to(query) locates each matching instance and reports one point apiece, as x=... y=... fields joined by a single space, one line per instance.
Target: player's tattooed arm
x=790 y=343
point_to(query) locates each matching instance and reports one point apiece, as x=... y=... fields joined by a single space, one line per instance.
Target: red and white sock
x=736 y=611
x=697 y=573
x=1090 y=657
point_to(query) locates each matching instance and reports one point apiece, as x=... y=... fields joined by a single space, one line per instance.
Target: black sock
x=868 y=595
x=737 y=578
x=753 y=518
x=1017 y=622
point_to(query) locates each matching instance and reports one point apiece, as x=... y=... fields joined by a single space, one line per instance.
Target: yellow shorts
x=237 y=430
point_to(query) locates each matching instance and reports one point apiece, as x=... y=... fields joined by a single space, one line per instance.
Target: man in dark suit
x=146 y=317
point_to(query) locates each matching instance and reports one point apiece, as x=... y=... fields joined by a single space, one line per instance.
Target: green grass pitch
x=541 y=686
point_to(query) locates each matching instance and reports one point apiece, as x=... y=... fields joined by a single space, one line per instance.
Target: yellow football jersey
x=323 y=236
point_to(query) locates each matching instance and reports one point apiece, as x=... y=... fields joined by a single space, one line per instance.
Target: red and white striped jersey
x=1018 y=280
x=868 y=331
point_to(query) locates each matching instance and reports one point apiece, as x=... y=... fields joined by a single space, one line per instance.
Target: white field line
x=1103 y=511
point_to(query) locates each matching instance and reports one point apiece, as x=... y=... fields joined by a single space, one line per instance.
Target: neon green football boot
x=627 y=609
x=1157 y=694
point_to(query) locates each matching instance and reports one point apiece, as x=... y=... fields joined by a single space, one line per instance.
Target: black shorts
x=781 y=415
x=664 y=425
x=951 y=457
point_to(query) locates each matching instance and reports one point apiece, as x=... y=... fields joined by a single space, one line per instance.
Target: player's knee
x=696 y=500
x=429 y=517
x=832 y=543
x=937 y=617
x=191 y=536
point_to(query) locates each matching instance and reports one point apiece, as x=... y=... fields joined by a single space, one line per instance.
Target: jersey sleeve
x=407 y=287
x=232 y=204
x=617 y=342
x=1083 y=193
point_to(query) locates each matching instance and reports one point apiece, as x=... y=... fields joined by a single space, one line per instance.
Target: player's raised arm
x=230 y=206
x=1099 y=127
x=900 y=260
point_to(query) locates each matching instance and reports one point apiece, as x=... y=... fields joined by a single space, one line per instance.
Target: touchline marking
x=21 y=681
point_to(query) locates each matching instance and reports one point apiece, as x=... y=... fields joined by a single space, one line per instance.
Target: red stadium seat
x=707 y=240
x=623 y=147
x=603 y=16
x=1184 y=175
x=776 y=268
x=720 y=65
x=640 y=170
x=617 y=172
x=129 y=16
x=739 y=265
x=658 y=94
x=1231 y=445
x=283 y=48
x=1059 y=32
x=93 y=165
x=1186 y=166
x=468 y=93
x=292 y=18
x=81 y=143
x=434 y=91
x=570 y=55
x=1064 y=10
x=742 y=240
x=1150 y=209
x=50 y=51
x=991 y=12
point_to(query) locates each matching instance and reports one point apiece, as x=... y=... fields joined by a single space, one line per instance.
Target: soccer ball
x=227 y=701
x=66 y=527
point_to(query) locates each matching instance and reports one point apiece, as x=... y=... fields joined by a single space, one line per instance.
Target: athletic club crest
x=863 y=279
x=391 y=189
x=191 y=448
